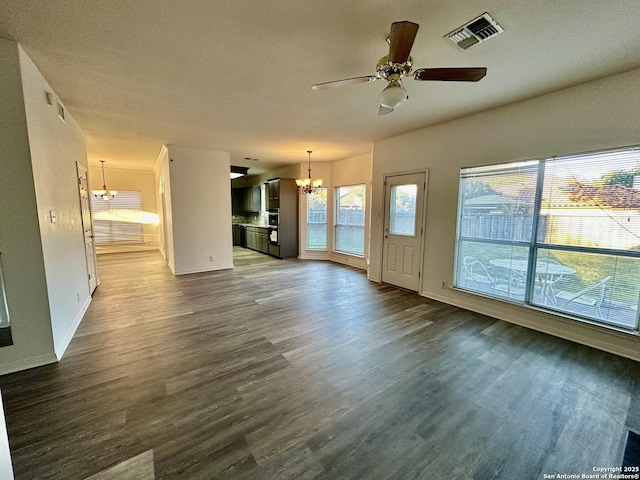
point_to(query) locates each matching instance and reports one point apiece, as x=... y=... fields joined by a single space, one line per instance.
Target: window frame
x=325 y=223
x=336 y=205
x=535 y=246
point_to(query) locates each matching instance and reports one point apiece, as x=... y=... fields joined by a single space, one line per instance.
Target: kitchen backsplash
x=251 y=219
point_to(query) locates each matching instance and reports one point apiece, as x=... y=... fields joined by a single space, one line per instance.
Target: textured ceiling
x=236 y=75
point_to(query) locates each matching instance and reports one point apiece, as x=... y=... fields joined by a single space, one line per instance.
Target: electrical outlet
x=444 y=284
x=212 y=258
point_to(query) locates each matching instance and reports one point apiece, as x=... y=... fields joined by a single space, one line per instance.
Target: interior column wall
x=201 y=209
x=20 y=241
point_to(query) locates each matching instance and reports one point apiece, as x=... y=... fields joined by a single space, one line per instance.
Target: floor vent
x=476 y=31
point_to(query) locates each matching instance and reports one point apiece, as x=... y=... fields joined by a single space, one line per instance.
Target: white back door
x=403 y=230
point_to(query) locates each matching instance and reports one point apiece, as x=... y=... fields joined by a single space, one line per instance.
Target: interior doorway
x=404 y=199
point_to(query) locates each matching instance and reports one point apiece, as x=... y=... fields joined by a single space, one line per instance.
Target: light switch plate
x=52 y=216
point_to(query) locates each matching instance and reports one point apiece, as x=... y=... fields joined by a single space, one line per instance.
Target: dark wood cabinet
x=273 y=193
x=237 y=200
x=283 y=195
x=251 y=199
x=263 y=242
x=258 y=239
x=252 y=238
x=236 y=234
x=245 y=200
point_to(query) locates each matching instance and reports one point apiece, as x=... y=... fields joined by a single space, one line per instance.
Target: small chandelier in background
x=306 y=185
x=105 y=193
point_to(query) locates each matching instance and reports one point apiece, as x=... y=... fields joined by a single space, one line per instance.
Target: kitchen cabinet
x=282 y=194
x=236 y=234
x=258 y=239
x=239 y=234
x=245 y=200
x=252 y=240
x=273 y=193
x=251 y=199
x=237 y=200
x=263 y=242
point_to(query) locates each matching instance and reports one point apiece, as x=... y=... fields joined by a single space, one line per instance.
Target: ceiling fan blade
x=346 y=81
x=401 y=40
x=472 y=74
x=384 y=110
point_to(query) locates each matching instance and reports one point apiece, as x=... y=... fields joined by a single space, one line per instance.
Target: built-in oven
x=273 y=236
x=274 y=217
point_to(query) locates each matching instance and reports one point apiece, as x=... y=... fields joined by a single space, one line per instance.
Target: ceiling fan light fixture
x=393 y=95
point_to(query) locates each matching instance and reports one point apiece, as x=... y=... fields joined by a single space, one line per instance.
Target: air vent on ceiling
x=476 y=31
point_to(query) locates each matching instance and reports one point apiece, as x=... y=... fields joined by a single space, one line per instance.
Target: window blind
x=561 y=233
x=349 y=228
x=116 y=221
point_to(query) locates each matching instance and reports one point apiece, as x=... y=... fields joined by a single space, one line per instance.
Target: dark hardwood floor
x=288 y=369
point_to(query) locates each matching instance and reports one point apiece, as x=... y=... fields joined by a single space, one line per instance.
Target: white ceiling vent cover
x=476 y=31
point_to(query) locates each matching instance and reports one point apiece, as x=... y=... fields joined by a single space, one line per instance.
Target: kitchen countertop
x=251 y=225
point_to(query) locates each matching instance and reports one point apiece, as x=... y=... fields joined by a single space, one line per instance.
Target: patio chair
x=494 y=278
x=475 y=272
x=507 y=281
x=581 y=297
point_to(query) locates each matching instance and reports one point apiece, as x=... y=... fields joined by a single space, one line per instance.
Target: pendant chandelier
x=105 y=193
x=307 y=185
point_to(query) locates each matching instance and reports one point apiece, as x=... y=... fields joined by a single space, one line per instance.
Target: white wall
x=591 y=116
x=20 y=243
x=56 y=146
x=120 y=179
x=200 y=209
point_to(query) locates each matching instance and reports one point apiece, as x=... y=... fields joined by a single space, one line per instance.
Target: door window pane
x=402 y=211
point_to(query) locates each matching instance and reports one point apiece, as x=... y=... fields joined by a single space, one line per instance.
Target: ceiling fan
x=398 y=63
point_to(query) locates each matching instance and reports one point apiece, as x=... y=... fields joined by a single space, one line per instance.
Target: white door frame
x=423 y=220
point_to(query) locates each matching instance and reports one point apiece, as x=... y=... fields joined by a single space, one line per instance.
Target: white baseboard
x=350 y=260
x=62 y=347
x=204 y=269
x=314 y=256
x=584 y=334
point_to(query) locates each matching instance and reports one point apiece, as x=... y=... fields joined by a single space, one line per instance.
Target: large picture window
x=349 y=228
x=317 y=219
x=118 y=221
x=562 y=234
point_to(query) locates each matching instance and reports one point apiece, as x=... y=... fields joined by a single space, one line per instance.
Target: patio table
x=547 y=273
